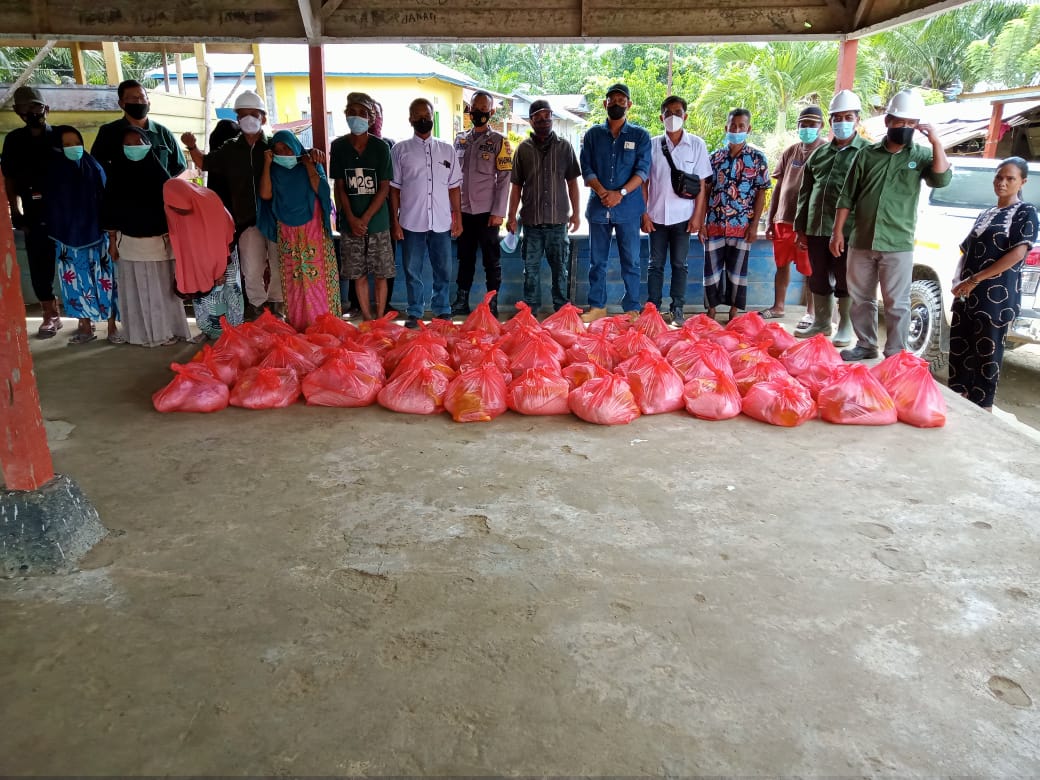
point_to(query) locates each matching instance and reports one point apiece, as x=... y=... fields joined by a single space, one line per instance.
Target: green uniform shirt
x=822 y=178
x=884 y=188
x=362 y=174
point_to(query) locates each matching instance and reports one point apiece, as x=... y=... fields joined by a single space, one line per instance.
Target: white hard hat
x=846 y=100
x=250 y=99
x=905 y=105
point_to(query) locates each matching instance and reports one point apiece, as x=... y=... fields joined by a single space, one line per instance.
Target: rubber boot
x=822 y=310
x=51 y=320
x=460 y=306
x=845 y=334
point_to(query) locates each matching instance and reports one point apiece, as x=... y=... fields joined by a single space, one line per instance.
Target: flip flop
x=805 y=322
x=79 y=337
x=769 y=314
x=116 y=338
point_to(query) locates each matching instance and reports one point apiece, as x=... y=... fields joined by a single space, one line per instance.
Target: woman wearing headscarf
x=300 y=203
x=139 y=244
x=75 y=189
x=201 y=232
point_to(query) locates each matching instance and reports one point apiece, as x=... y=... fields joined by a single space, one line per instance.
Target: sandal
x=81 y=337
x=169 y=342
x=196 y=339
x=805 y=322
x=770 y=314
x=116 y=338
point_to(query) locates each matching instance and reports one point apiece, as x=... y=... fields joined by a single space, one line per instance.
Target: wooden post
x=996 y=121
x=24 y=454
x=179 y=67
x=79 y=70
x=113 y=64
x=165 y=69
x=319 y=116
x=846 y=76
x=205 y=85
x=258 y=74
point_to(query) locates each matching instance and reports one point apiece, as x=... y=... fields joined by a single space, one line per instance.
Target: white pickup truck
x=945 y=217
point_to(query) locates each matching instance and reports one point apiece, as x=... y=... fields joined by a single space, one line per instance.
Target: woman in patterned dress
x=988 y=286
x=301 y=204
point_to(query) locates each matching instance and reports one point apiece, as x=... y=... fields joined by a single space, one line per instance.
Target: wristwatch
x=623 y=192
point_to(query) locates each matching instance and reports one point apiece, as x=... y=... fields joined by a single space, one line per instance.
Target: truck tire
x=926 y=322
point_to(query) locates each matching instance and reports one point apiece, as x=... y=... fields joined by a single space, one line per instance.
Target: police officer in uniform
x=486 y=160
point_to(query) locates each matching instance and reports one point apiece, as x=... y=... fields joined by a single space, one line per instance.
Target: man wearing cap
x=615 y=161
x=241 y=162
x=361 y=169
x=545 y=181
x=25 y=158
x=673 y=214
x=884 y=184
x=736 y=195
x=486 y=160
x=782 y=207
x=822 y=178
x=108 y=145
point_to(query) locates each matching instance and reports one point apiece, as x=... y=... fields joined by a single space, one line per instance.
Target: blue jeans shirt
x=613 y=161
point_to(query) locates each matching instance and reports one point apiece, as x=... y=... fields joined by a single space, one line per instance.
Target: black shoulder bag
x=685 y=185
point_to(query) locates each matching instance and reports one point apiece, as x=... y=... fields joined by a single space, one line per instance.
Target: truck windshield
x=971 y=188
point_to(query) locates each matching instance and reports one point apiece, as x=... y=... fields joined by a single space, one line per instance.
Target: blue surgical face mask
x=808 y=134
x=74 y=153
x=357 y=124
x=136 y=153
x=736 y=138
x=843 y=130
x=285 y=160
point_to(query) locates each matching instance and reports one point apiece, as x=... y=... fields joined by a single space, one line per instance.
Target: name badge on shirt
x=630 y=144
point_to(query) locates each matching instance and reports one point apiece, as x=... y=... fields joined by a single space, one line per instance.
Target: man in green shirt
x=822 y=178
x=884 y=184
x=361 y=167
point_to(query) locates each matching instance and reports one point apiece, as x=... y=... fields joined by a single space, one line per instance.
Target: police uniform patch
x=504 y=161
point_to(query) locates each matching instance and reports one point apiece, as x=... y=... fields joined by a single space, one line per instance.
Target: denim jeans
x=628 y=251
x=550 y=240
x=413 y=253
x=668 y=241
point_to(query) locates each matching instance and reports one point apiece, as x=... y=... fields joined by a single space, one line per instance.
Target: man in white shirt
x=672 y=217
x=425 y=210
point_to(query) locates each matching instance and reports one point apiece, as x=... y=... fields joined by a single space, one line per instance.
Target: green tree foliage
x=56 y=68
x=1012 y=57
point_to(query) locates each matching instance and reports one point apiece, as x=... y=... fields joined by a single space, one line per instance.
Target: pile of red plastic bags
x=609 y=372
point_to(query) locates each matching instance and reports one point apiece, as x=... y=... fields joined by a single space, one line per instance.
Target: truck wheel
x=926 y=320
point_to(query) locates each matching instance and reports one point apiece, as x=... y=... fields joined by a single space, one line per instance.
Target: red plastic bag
x=712 y=397
x=364 y=359
x=634 y=343
x=782 y=402
x=604 y=401
x=471 y=356
x=650 y=322
x=821 y=375
x=223 y=365
x=657 y=386
x=565 y=325
x=611 y=327
x=233 y=342
x=340 y=382
x=744 y=358
x=379 y=341
x=417 y=390
x=578 y=374
x=918 y=398
x=477 y=395
x=593 y=348
x=810 y=352
x=324 y=340
x=669 y=338
x=481 y=318
x=272 y=324
x=856 y=398
x=261 y=339
x=285 y=355
x=194 y=389
x=331 y=325
x=539 y=391
x=729 y=340
x=265 y=388
x=384 y=325
x=539 y=351
x=522 y=319
x=768 y=370
x=426 y=341
x=701 y=325
x=748 y=325
x=894 y=365
x=776 y=338
x=691 y=359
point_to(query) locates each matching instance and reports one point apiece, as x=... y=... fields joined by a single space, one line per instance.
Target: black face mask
x=136 y=110
x=901 y=135
x=480 y=118
x=542 y=128
x=422 y=126
x=34 y=120
x=615 y=111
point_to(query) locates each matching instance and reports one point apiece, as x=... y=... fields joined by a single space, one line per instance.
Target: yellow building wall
x=292 y=102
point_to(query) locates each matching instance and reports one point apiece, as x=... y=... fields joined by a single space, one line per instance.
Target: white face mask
x=673 y=123
x=250 y=125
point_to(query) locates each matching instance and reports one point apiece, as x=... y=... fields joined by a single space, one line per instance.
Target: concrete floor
x=318 y=591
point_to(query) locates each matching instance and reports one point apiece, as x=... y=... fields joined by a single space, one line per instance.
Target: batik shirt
x=735 y=183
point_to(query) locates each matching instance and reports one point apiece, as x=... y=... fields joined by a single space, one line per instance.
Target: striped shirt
x=542 y=172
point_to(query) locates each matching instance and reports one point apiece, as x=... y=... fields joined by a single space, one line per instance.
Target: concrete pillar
x=319 y=118
x=113 y=63
x=996 y=121
x=79 y=71
x=846 y=76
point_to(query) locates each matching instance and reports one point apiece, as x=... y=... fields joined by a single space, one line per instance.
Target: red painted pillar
x=996 y=121
x=847 y=50
x=24 y=454
x=319 y=114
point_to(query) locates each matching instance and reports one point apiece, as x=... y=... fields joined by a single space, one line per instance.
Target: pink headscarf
x=201 y=232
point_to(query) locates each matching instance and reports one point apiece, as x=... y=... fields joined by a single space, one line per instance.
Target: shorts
x=364 y=255
x=787 y=251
